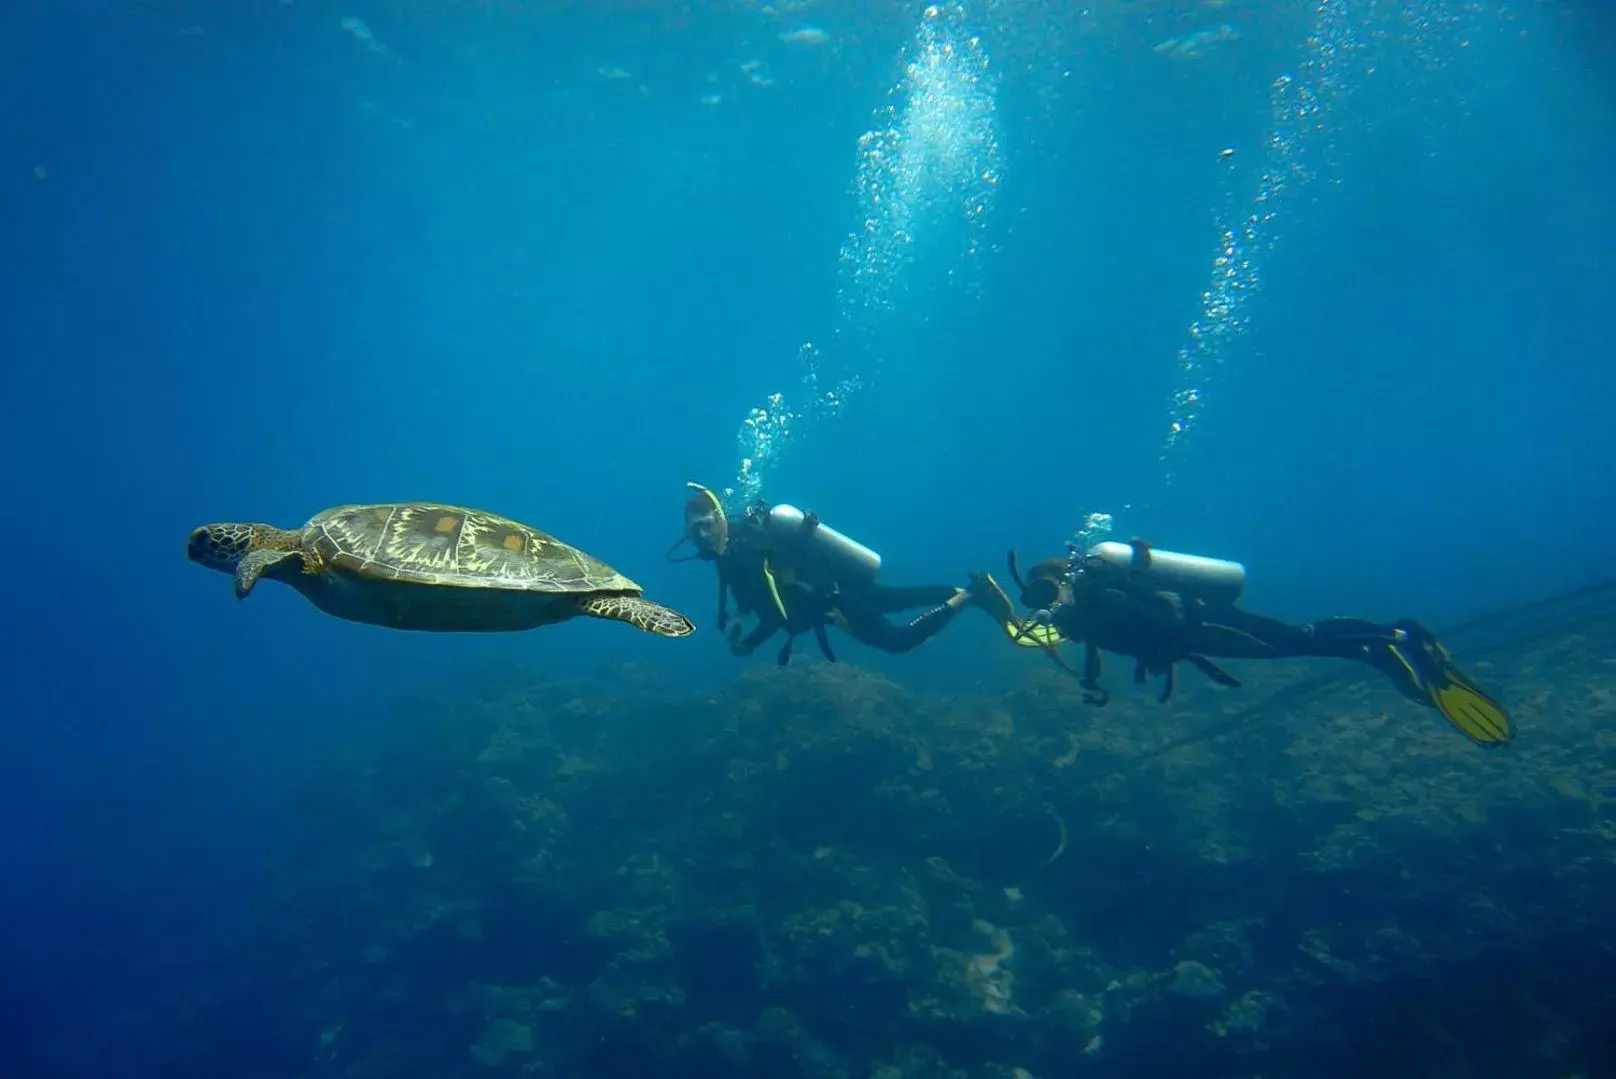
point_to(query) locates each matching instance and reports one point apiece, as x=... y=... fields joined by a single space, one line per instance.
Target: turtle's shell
x=452 y=547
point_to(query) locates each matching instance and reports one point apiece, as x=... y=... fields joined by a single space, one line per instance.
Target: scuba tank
x=1211 y=579
x=845 y=558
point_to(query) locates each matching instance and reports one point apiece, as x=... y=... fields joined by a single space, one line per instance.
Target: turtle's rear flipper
x=639 y=613
x=254 y=564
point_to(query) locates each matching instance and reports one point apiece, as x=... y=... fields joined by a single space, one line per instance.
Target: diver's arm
x=824 y=642
x=723 y=594
x=1095 y=694
x=745 y=646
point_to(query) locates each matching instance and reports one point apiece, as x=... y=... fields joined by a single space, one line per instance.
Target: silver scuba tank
x=843 y=557
x=1211 y=579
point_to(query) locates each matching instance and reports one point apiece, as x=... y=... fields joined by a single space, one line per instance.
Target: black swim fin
x=1424 y=671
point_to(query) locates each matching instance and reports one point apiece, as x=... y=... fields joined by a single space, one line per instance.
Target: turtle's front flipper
x=639 y=613
x=254 y=564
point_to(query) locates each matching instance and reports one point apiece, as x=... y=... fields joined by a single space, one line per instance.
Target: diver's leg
x=1230 y=633
x=1408 y=654
x=868 y=625
x=888 y=599
x=1348 y=638
x=824 y=642
x=745 y=645
x=1374 y=643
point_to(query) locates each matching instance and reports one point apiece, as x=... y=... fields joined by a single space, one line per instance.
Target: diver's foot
x=1424 y=669
x=1429 y=656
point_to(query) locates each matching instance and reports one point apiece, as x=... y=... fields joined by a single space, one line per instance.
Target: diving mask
x=1043 y=586
x=706 y=526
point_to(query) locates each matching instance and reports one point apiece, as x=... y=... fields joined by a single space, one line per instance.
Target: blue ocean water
x=267 y=257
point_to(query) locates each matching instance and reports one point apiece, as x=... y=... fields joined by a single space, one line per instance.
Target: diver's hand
x=810 y=521
x=1094 y=693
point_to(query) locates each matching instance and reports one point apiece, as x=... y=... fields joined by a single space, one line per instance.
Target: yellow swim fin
x=1033 y=635
x=1431 y=670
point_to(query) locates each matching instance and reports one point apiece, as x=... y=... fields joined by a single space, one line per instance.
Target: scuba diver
x=1158 y=607
x=794 y=573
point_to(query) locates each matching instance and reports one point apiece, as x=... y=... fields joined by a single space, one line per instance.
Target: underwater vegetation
x=817 y=872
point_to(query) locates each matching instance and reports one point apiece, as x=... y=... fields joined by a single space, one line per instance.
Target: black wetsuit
x=862 y=612
x=1157 y=628
x=755 y=576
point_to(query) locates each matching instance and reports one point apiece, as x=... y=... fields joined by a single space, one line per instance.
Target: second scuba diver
x=1158 y=607
x=799 y=575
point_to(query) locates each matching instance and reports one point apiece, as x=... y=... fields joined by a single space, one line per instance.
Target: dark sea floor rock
x=820 y=873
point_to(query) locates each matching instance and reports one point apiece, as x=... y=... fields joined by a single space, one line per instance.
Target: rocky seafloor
x=819 y=873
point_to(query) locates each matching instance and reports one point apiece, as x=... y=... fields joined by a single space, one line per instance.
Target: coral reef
x=819 y=873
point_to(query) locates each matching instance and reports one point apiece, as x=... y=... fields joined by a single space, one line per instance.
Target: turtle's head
x=221 y=546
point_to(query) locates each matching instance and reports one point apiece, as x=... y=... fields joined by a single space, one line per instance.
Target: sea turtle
x=425 y=566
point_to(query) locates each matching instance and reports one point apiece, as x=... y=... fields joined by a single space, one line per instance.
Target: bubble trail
x=928 y=173
x=1302 y=110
